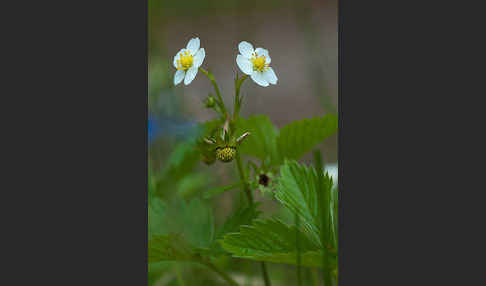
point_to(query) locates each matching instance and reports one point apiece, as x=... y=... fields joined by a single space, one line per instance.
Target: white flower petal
x=179 y=76
x=246 y=49
x=244 y=64
x=262 y=52
x=190 y=75
x=270 y=76
x=193 y=46
x=259 y=78
x=199 y=57
x=177 y=56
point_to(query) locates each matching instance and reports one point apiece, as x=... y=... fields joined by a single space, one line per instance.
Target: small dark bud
x=263 y=180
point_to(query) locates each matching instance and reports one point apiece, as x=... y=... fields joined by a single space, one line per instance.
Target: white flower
x=187 y=62
x=256 y=63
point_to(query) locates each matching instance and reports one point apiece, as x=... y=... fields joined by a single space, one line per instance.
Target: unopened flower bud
x=210 y=101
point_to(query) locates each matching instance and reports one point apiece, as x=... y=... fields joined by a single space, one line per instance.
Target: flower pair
x=252 y=62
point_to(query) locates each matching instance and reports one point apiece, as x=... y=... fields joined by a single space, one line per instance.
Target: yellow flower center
x=259 y=63
x=185 y=61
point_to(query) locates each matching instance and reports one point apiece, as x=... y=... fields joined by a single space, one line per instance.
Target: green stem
x=179 y=276
x=210 y=76
x=297 y=242
x=221 y=273
x=315 y=277
x=265 y=274
x=246 y=188
x=237 y=105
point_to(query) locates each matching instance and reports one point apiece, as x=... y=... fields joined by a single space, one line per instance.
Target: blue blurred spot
x=165 y=126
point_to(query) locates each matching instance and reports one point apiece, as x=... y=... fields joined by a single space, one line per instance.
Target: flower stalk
x=238 y=82
x=254 y=63
x=219 y=101
x=246 y=187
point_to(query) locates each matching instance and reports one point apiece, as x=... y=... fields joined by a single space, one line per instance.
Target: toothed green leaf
x=244 y=215
x=299 y=137
x=273 y=241
x=298 y=190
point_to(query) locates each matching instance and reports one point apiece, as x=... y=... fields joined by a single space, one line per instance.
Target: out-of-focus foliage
x=219 y=190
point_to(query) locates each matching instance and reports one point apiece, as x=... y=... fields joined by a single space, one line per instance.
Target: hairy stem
x=216 y=89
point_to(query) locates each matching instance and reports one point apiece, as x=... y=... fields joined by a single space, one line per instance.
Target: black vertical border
x=340 y=141
x=83 y=99
x=145 y=280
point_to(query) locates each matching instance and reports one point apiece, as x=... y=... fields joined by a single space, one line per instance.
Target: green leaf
x=244 y=215
x=299 y=137
x=181 y=161
x=261 y=143
x=156 y=270
x=190 y=185
x=180 y=231
x=157 y=213
x=273 y=241
x=180 y=164
x=171 y=247
x=193 y=220
x=325 y=215
x=297 y=191
x=334 y=216
x=219 y=190
x=309 y=193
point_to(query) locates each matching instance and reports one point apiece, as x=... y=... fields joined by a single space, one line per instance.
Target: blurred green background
x=301 y=37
